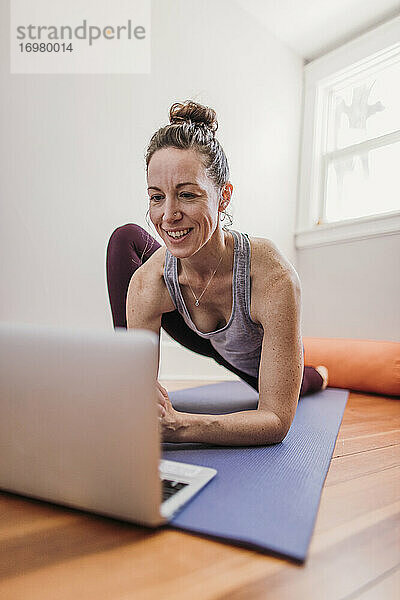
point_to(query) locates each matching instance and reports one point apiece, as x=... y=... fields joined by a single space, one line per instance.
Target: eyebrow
x=153 y=187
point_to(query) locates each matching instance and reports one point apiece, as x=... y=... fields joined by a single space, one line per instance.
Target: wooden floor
x=49 y=552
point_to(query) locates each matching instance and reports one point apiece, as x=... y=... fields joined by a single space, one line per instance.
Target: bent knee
x=126 y=234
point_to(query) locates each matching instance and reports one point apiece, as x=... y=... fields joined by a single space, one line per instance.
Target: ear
x=226 y=194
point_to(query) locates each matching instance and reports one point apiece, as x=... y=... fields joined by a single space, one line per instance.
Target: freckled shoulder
x=153 y=280
x=264 y=252
x=268 y=266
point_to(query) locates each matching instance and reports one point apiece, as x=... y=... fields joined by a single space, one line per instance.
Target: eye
x=187 y=195
x=156 y=197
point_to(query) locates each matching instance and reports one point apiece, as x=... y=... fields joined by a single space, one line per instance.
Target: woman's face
x=181 y=197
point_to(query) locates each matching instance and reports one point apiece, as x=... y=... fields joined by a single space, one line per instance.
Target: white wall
x=72 y=146
x=352 y=289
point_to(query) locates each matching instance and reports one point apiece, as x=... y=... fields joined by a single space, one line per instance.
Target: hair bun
x=192 y=112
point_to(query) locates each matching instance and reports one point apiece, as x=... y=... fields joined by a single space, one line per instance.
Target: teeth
x=178 y=234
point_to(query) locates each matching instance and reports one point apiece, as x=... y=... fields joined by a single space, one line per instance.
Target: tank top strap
x=170 y=278
x=241 y=280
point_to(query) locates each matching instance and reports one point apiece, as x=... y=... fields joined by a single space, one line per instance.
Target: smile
x=178 y=235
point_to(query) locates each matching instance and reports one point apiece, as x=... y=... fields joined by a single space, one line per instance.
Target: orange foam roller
x=361 y=365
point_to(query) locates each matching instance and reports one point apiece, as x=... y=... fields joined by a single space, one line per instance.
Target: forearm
x=244 y=428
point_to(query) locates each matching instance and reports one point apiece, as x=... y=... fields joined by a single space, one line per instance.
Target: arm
x=143 y=305
x=280 y=375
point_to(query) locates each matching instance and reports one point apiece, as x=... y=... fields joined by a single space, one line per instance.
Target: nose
x=171 y=211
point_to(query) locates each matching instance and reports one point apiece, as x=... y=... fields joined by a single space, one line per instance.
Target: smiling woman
x=216 y=291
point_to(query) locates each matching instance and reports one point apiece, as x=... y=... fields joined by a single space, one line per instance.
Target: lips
x=181 y=237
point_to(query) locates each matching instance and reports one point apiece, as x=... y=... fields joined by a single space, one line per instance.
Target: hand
x=167 y=414
x=163 y=399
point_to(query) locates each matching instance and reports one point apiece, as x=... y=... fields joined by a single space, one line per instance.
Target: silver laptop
x=79 y=423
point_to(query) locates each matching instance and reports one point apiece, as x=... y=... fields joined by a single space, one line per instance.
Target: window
x=350 y=173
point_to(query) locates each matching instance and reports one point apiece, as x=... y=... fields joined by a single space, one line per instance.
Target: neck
x=201 y=265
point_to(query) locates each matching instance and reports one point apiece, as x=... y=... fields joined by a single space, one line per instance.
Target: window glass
x=365 y=183
x=365 y=109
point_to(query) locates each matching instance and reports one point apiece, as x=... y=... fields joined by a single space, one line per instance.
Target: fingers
x=162 y=389
x=162 y=401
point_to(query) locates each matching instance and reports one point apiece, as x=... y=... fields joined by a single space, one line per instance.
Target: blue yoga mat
x=263 y=497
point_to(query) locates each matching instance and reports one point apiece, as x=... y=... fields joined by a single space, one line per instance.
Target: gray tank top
x=240 y=340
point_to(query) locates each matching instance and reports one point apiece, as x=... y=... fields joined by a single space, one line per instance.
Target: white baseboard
x=177 y=362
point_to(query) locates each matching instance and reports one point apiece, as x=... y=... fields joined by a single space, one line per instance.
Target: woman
x=214 y=290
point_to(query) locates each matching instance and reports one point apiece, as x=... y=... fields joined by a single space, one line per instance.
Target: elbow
x=279 y=430
x=283 y=430
x=278 y=438
x=282 y=435
x=270 y=440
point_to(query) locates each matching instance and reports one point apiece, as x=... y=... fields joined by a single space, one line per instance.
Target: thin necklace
x=197 y=300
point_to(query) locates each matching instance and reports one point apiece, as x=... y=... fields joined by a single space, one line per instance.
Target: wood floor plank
x=350 y=499
x=154 y=566
x=384 y=588
x=359 y=464
x=334 y=573
x=368 y=441
x=382 y=414
x=324 y=538
x=19 y=516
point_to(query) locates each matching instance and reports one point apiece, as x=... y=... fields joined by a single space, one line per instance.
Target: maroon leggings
x=129 y=246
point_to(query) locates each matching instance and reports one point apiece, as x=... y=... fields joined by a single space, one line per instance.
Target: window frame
x=379 y=44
